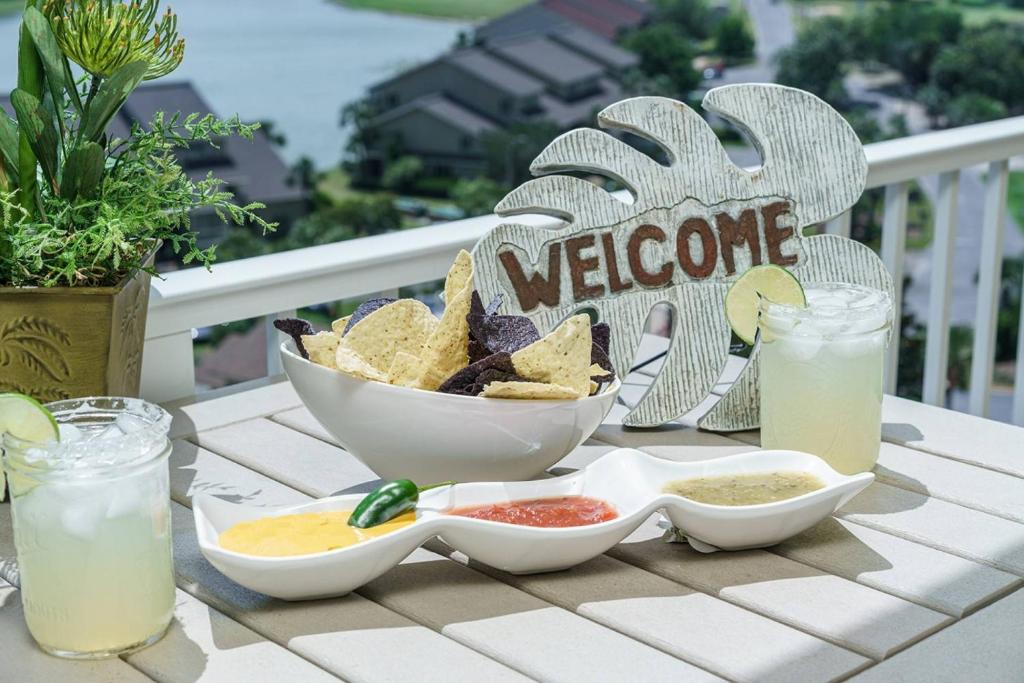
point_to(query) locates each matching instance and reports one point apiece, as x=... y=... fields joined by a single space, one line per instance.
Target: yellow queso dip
x=303 y=534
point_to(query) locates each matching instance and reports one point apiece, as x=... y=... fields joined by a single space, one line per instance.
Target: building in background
x=552 y=61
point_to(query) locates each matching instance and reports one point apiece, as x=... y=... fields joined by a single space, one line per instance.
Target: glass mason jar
x=821 y=374
x=92 y=528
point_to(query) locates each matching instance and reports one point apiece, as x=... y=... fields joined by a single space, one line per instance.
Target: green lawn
x=1015 y=198
x=975 y=12
x=449 y=9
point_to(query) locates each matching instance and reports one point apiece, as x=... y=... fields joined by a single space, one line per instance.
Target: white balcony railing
x=280 y=283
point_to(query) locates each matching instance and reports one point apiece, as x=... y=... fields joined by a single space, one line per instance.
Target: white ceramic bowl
x=630 y=480
x=427 y=436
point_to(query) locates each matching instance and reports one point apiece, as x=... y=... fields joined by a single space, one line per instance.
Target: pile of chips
x=470 y=350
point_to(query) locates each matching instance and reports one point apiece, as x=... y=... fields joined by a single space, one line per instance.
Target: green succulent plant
x=102 y=36
x=79 y=208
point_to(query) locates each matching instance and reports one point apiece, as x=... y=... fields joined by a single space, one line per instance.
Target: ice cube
x=69 y=433
x=129 y=424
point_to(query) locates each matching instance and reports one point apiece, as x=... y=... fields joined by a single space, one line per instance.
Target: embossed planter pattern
x=65 y=342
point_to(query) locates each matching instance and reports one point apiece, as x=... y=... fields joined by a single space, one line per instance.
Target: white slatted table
x=918 y=579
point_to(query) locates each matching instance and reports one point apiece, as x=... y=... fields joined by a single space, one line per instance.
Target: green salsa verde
x=752 y=488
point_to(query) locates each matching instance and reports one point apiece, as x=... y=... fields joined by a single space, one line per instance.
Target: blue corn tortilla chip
x=470 y=380
x=477 y=351
x=476 y=305
x=295 y=328
x=365 y=309
x=601 y=335
x=503 y=333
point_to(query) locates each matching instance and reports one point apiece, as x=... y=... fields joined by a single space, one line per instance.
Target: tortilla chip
x=322 y=347
x=295 y=328
x=503 y=333
x=405 y=370
x=403 y=325
x=528 y=390
x=351 y=363
x=339 y=325
x=594 y=387
x=597 y=371
x=446 y=352
x=364 y=309
x=562 y=357
x=460 y=274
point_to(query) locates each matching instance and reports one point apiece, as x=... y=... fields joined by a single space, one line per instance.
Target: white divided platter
x=630 y=480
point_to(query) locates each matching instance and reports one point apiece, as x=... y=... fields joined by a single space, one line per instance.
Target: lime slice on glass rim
x=26 y=419
x=742 y=301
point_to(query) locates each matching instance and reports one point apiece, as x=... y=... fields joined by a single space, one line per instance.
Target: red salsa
x=561 y=511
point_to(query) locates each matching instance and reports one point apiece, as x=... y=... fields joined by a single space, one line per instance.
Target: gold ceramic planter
x=66 y=342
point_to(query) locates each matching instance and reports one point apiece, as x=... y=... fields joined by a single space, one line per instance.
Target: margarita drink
x=92 y=528
x=821 y=374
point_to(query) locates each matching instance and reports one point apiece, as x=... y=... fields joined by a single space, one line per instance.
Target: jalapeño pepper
x=388 y=501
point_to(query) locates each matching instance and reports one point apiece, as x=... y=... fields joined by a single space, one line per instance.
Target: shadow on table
x=901 y=432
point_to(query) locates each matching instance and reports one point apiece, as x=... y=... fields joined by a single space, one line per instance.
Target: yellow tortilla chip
x=562 y=357
x=338 y=326
x=597 y=371
x=528 y=390
x=447 y=350
x=405 y=370
x=404 y=325
x=594 y=386
x=460 y=274
x=321 y=348
x=351 y=363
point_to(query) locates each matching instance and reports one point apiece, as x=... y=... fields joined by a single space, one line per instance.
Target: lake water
x=293 y=62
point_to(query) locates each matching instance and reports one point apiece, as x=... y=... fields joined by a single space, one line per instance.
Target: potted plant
x=83 y=212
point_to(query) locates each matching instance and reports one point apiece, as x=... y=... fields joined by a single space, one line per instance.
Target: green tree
x=733 y=38
x=905 y=35
x=401 y=174
x=356 y=216
x=664 y=50
x=970 y=108
x=1008 y=322
x=510 y=150
x=986 y=61
x=692 y=17
x=815 y=62
x=477 y=196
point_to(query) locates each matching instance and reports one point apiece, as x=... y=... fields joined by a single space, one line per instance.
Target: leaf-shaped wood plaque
x=693 y=226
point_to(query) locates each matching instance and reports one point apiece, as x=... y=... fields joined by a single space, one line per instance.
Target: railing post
x=894 y=241
x=168 y=367
x=840 y=225
x=936 y=359
x=990 y=269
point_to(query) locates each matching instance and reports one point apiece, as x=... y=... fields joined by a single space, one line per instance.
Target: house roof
x=495 y=71
x=549 y=60
x=252 y=168
x=528 y=20
x=596 y=47
x=580 y=112
x=605 y=17
x=443 y=109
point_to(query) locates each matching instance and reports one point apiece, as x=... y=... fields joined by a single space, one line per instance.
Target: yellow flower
x=101 y=36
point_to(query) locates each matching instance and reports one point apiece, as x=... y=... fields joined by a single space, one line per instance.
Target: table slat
x=908 y=570
x=985 y=646
x=844 y=612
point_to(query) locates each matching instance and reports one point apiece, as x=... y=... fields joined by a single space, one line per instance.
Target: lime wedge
x=25 y=418
x=771 y=282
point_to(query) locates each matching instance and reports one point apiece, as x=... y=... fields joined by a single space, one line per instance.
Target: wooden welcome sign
x=694 y=226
